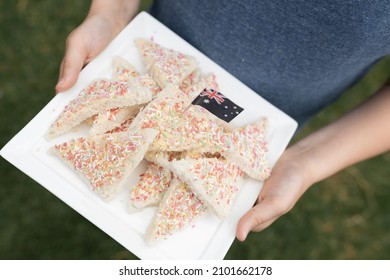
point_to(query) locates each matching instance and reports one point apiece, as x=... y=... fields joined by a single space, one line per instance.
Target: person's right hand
x=84 y=44
x=289 y=180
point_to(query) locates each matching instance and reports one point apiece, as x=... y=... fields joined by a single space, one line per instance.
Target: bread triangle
x=162 y=111
x=126 y=72
x=163 y=158
x=112 y=119
x=148 y=82
x=105 y=161
x=214 y=180
x=178 y=209
x=165 y=66
x=178 y=131
x=124 y=127
x=247 y=147
x=193 y=79
x=151 y=187
x=123 y=70
x=195 y=130
x=196 y=83
x=98 y=97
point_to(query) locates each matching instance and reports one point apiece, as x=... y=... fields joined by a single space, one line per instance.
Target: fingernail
x=243 y=236
x=58 y=86
x=60 y=81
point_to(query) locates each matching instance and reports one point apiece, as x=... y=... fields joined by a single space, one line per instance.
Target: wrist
x=300 y=154
x=117 y=13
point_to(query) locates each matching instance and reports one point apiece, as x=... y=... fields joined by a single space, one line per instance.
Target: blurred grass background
x=344 y=217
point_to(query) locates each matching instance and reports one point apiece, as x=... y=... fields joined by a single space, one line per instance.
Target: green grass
x=344 y=217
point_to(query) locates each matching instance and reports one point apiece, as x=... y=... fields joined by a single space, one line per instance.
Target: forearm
x=359 y=135
x=120 y=11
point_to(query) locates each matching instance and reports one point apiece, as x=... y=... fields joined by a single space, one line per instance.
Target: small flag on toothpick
x=217 y=104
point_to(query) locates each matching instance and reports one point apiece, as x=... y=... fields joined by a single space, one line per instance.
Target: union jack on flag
x=217 y=104
x=213 y=94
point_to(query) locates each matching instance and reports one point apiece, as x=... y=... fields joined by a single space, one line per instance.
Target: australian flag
x=217 y=104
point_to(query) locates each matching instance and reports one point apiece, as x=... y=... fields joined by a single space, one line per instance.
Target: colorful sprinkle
x=151 y=187
x=213 y=180
x=105 y=160
x=178 y=209
x=165 y=65
x=98 y=97
x=247 y=147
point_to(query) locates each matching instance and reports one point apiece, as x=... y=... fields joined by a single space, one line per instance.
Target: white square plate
x=210 y=238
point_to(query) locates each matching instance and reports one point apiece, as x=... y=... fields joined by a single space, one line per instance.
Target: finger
x=74 y=59
x=263 y=226
x=257 y=218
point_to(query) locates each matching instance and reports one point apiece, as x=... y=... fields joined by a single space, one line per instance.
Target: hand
x=279 y=194
x=82 y=45
x=319 y=156
x=104 y=21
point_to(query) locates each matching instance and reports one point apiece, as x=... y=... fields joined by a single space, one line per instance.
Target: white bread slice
x=192 y=79
x=215 y=181
x=199 y=129
x=148 y=82
x=123 y=70
x=195 y=129
x=199 y=84
x=164 y=159
x=165 y=66
x=247 y=147
x=178 y=209
x=112 y=119
x=165 y=110
x=210 y=80
x=105 y=161
x=98 y=97
x=172 y=70
x=149 y=50
x=151 y=187
x=124 y=127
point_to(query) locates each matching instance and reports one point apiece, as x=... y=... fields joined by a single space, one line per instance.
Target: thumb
x=71 y=65
x=258 y=218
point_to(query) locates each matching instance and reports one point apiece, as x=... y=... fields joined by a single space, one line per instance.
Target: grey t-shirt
x=298 y=54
